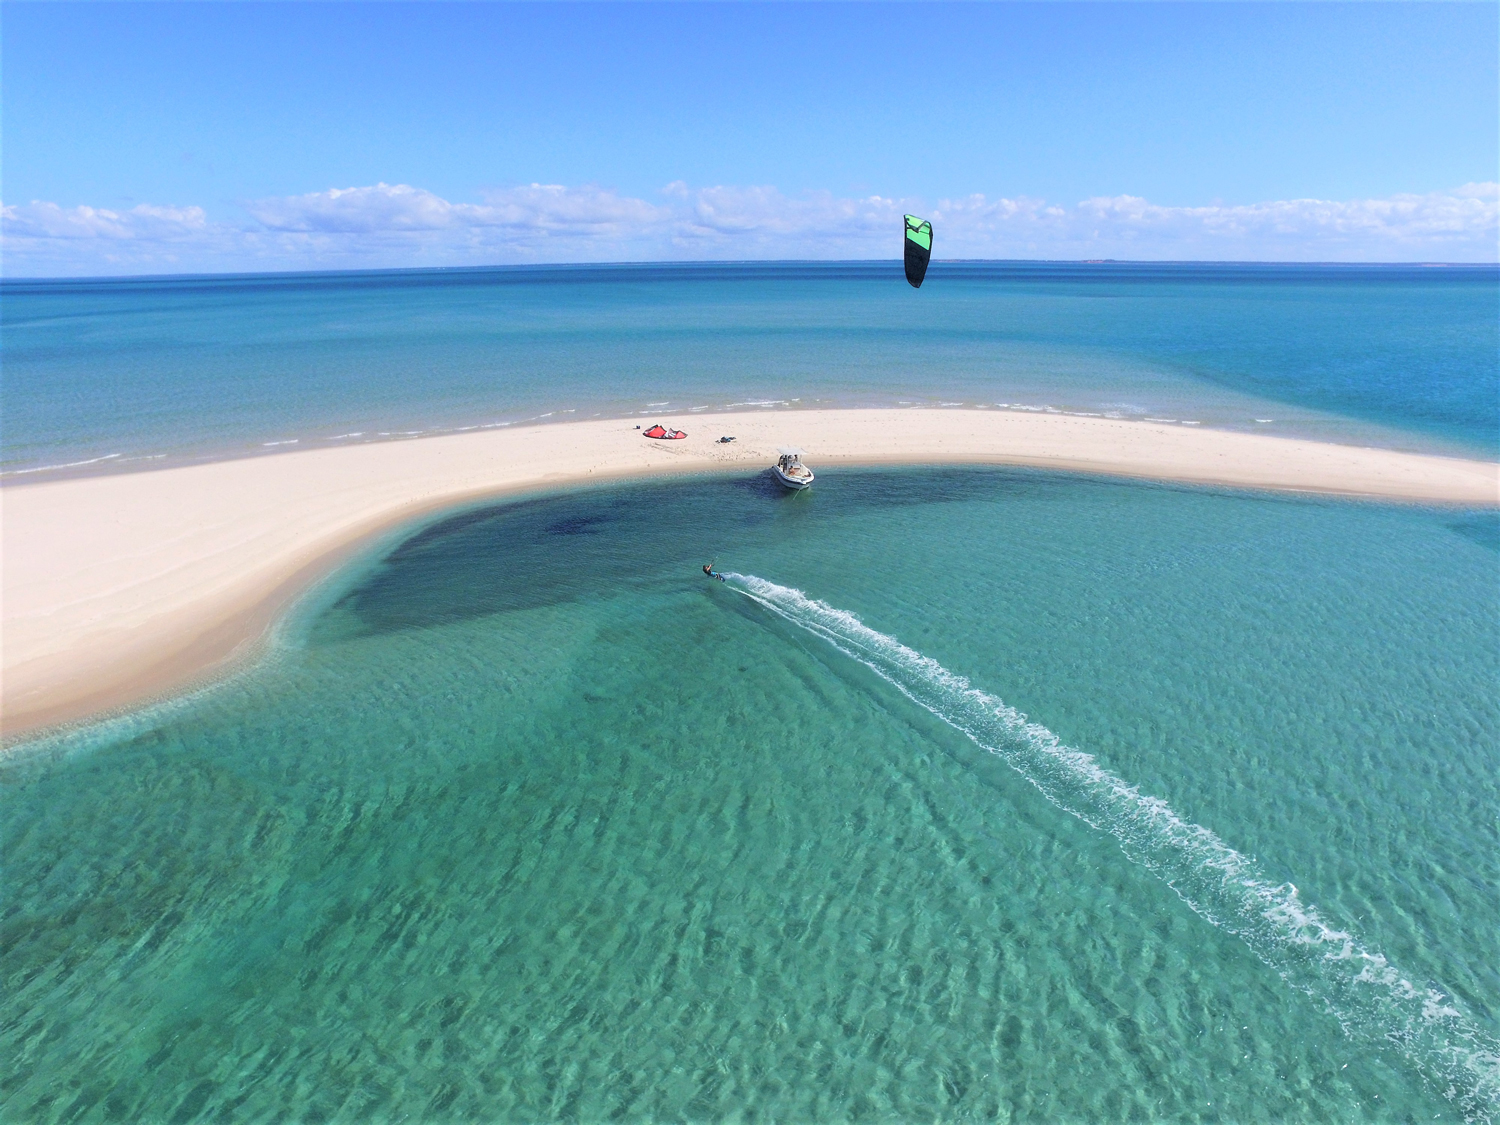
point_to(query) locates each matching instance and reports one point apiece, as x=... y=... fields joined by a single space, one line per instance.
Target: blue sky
x=228 y=135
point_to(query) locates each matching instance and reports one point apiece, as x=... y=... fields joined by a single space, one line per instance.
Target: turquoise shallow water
x=528 y=820
x=115 y=374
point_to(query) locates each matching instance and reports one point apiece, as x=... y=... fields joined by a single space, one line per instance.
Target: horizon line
x=522 y=266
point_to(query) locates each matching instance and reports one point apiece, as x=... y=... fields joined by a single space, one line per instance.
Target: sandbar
x=124 y=588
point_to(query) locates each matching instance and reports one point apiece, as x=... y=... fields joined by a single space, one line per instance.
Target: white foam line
x=64 y=465
x=288 y=441
x=1367 y=994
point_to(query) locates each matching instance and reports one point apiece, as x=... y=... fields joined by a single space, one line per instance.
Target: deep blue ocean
x=972 y=794
x=112 y=372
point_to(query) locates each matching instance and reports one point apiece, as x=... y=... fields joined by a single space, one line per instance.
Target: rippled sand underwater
x=528 y=820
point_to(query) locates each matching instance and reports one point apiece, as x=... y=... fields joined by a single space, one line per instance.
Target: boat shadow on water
x=764 y=485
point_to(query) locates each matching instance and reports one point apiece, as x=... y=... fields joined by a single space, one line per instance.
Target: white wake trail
x=1367 y=994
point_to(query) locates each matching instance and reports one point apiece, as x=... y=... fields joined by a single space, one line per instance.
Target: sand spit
x=124 y=588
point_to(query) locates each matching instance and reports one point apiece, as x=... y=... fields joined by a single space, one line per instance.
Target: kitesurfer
x=708 y=569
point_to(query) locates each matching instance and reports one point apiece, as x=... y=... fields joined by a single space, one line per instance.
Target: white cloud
x=762 y=218
x=554 y=208
x=49 y=221
x=400 y=207
x=360 y=210
x=401 y=225
x=1401 y=225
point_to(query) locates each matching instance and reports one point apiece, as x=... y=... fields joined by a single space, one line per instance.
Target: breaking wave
x=1368 y=995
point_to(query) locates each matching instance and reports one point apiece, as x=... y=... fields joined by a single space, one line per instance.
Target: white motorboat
x=790 y=470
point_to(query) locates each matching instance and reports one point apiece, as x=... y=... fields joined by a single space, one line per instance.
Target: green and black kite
x=918 y=249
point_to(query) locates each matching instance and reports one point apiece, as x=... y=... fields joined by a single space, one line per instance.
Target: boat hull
x=796 y=484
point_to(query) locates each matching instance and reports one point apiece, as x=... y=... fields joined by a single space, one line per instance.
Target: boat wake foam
x=1368 y=995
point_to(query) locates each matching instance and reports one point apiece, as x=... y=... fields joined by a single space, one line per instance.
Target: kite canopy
x=918 y=249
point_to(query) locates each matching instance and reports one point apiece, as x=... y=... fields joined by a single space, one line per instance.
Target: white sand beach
x=123 y=588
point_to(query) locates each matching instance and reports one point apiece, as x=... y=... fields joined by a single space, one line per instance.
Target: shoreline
x=126 y=588
x=1361 y=434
